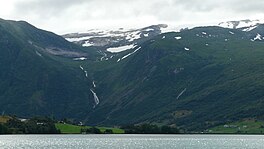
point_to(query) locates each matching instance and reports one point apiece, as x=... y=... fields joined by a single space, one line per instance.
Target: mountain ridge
x=196 y=79
x=35 y=81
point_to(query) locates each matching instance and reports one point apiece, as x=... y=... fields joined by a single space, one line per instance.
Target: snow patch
x=86 y=74
x=231 y=32
x=87 y=44
x=163 y=37
x=94 y=85
x=120 y=49
x=149 y=29
x=204 y=33
x=258 y=37
x=80 y=59
x=249 y=28
x=178 y=38
x=78 y=39
x=240 y=24
x=133 y=36
x=247 y=23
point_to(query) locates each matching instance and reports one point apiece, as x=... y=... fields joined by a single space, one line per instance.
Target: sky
x=67 y=16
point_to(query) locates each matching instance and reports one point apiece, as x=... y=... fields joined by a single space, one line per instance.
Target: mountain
x=245 y=25
x=114 y=38
x=253 y=27
x=196 y=78
x=37 y=74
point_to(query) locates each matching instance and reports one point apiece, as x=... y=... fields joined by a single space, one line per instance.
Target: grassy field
x=244 y=127
x=4 y=119
x=74 y=129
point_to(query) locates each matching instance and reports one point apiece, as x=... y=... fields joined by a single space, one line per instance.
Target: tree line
x=46 y=125
x=37 y=125
x=95 y=130
x=150 y=129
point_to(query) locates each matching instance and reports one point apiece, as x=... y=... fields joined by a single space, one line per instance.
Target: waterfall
x=96 y=99
x=181 y=93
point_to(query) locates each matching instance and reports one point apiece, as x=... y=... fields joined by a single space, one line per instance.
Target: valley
x=195 y=79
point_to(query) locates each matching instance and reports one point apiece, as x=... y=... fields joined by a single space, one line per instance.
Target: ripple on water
x=132 y=141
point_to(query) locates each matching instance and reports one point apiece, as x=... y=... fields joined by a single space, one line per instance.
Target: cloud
x=240 y=6
x=45 y=8
x=63 y=16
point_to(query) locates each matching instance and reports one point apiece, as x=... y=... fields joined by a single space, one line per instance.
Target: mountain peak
x=113 y=38
x=240 y=24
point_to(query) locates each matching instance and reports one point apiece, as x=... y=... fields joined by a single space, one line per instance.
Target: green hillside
x=195 y=79
x=240 y=127
x=35 y=81
x=219 y=79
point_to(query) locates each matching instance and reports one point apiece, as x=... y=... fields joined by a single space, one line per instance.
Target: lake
x=125 y=141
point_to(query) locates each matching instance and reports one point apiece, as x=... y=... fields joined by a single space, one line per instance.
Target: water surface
x=132 y=141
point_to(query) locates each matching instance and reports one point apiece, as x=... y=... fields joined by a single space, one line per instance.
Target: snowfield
x=120 y=49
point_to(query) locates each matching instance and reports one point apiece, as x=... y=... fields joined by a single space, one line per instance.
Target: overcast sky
x=65 y=16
